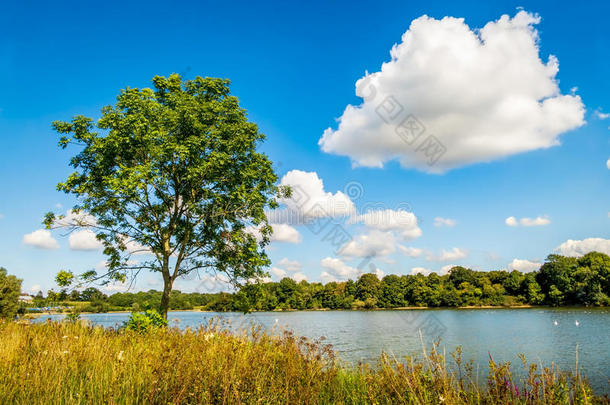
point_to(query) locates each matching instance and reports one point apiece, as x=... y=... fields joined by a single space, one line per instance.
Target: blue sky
x=294 y=68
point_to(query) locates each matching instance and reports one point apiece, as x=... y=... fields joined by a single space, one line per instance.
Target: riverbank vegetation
x=70 y=362
x=560 y=281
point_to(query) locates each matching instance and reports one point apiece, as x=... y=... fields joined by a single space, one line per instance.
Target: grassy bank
x=74 y=363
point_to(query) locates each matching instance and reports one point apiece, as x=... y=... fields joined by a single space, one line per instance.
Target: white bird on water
x=576 y=323
x=555 y=323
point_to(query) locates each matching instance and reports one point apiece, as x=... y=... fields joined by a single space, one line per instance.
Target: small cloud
x=511 y=221
x=402 y=221
x=538 y=221
x=336 y=270
x=35 y=288
x=524 y=266
x=84 y=240
x=601 y=115
x=277 y=272
x=453 y=254
x=292 y=266
x=372 y=244
x=41 y=239
x=281 y=233
x=608 y=164
x=439 y=221
x=410 y=251
x=298 y=277
x=441 y=272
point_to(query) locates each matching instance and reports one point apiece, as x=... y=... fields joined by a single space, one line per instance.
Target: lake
x=544 y=335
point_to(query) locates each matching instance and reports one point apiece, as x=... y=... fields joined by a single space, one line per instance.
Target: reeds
x=72 y=363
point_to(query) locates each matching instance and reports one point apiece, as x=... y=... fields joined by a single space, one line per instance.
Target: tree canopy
x=583 y=282
x=169 y=179
x=10 y=288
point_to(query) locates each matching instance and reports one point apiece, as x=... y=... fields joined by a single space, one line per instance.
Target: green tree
x=172 y=173
x=367 y=286
x=10 y=288
x=392 y=292
x=558 y=272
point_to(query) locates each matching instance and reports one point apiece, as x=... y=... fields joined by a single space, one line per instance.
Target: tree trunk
x=167 y=289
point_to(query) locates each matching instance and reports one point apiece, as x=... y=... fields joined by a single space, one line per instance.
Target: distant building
x=26 y=298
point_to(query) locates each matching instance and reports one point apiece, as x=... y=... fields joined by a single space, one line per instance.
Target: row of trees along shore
x=560 y=281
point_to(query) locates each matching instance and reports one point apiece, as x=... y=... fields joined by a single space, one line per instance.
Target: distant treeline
x=560 y=281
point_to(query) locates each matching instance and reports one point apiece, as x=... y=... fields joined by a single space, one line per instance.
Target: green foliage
x=73 y=316
x=587 y=280
x=143 y=322
x=171 y=171
x=10 y=288
x=64 y=278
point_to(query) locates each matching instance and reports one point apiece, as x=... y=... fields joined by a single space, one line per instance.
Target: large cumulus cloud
x=481 y=94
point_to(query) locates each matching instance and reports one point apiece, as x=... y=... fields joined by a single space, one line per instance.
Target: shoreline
x=499 y=307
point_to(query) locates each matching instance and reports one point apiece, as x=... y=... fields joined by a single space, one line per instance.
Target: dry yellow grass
x=71 y=363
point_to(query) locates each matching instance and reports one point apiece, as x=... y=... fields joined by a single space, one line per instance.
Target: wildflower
x=441 y=398
x=64 y=337
x=65 y=352
x=120 y=356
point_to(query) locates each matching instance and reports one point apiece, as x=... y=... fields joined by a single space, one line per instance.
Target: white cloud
x=84 y=240
x=401 y=221
x=425 y=271
x=288 y=268
x=115 y=287
x=336 y=270
x=285 y=233
x=440 y=221
x=298 y=277
x=608 y=164
x=410 y=251
x=277 y=272
x=484 y=94
x=326 y=277
x=538 y=221
x=582 y=247
x=290 y=265
x=447 y=255
x=41 y=239
x=134 y=247
x=373 y=243
x=281 y=233
x=511 y=221
x=601 y=115
x=72 y=218
x=35 y=288
x=310 y=200
x=524 y=266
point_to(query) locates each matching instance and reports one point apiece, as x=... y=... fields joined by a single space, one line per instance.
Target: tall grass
x=72 y=363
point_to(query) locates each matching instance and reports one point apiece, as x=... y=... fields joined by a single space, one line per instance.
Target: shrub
x=144 y=321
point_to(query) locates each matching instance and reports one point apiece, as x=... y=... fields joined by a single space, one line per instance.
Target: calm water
x=543 y=335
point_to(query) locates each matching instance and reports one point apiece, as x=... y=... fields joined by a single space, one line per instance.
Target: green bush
x=144 y=321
